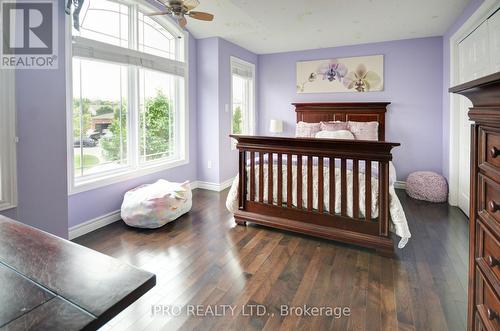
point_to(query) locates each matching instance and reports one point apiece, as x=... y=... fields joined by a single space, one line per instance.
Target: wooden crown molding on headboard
x=344 y=111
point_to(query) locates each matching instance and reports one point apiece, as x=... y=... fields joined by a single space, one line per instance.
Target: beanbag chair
x=427 y=186
x=154 y=205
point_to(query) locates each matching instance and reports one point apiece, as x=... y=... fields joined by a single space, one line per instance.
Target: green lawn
x=88 y=161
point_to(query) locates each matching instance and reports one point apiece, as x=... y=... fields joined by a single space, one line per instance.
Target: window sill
x=124 y=175
x=6 y=205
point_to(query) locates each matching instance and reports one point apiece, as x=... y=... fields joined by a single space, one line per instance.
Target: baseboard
x=400 y=184
x=212 y=186
x=93 y=224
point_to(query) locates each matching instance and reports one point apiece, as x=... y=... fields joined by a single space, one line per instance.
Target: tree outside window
x=237 y=121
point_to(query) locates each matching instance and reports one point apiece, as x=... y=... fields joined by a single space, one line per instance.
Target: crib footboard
x=277 y=201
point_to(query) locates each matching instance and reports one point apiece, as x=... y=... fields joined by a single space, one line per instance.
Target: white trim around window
x=8 y=179
x=245 y=70
x=101 y=51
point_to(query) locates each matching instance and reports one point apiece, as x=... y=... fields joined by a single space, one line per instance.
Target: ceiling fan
x=179 y=9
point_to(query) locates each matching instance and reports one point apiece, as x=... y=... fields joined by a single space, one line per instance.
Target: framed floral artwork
x=350 y=74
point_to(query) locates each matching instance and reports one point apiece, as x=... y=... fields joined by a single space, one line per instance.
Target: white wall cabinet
x=494 y=43
x=479 y=52
x=478 y=56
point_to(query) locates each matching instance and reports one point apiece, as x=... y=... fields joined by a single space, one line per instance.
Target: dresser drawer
x=489 y=146
x=478 y=324
x=487 y=303
x=488 y=197
x=488 y=254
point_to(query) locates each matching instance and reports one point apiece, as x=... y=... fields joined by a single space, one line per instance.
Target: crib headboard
x=344 y=111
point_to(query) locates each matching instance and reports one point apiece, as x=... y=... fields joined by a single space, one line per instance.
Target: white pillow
x=339 y=134
x=364 y=130
x=307 y=130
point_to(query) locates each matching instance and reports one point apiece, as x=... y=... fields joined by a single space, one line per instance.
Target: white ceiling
x=271 y=26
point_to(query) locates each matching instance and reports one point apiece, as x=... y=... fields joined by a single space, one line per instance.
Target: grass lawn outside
x=88 y=161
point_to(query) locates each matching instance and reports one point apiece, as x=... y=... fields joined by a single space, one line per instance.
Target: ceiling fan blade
x=191 y=4
x=182 y=22
x=158 y=13
x=201 y=15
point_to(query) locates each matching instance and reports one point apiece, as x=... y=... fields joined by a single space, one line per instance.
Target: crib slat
x=270 y=179
x=252 y=176
x=243 y=180
x=309 y=183
x=299 y=181
x=320 y=185
x=383 y=185
x=289 y=180
x=279 y=198
x=343 y=187
x=261 y=177
x=331 y=188
x=368 y=190
x=355 y=189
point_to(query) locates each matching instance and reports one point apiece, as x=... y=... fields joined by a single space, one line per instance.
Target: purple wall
x=469 y=10
x=214 y=93
x=41 y=152
x=208 y=109
x=12 y=213
x=91 y=204
x=413 y=85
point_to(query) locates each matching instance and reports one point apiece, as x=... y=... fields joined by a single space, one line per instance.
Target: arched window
x=128 y=97
x=105 y=21
x=155 y=39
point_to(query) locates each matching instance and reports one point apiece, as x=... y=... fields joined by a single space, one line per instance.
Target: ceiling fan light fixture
x=179 y=9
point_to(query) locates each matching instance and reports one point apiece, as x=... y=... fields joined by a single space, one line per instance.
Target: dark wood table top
x=53 y=284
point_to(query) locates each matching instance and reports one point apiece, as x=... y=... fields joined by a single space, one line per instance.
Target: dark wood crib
x=273 y=211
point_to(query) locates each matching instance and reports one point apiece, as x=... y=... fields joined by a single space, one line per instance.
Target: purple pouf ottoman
x=427 y=185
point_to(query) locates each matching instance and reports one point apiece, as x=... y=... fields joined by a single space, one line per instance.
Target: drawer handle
x=491 y=261
x=491 y=314
x=493 y=207
x=494 y=152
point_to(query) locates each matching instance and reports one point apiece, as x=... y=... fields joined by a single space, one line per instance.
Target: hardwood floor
x=204 y=258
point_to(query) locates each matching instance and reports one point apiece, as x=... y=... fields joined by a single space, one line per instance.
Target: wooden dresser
x=484 y=240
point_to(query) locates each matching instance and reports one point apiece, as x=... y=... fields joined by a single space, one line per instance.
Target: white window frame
x=8 y=178
x=249 y=120
x=146 y=61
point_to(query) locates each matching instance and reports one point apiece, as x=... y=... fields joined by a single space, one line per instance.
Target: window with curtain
x=128 y=98
x=242 y=97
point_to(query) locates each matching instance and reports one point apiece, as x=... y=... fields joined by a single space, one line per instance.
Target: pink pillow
x=333 y=126
x=364 y=130
x=307 y=130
